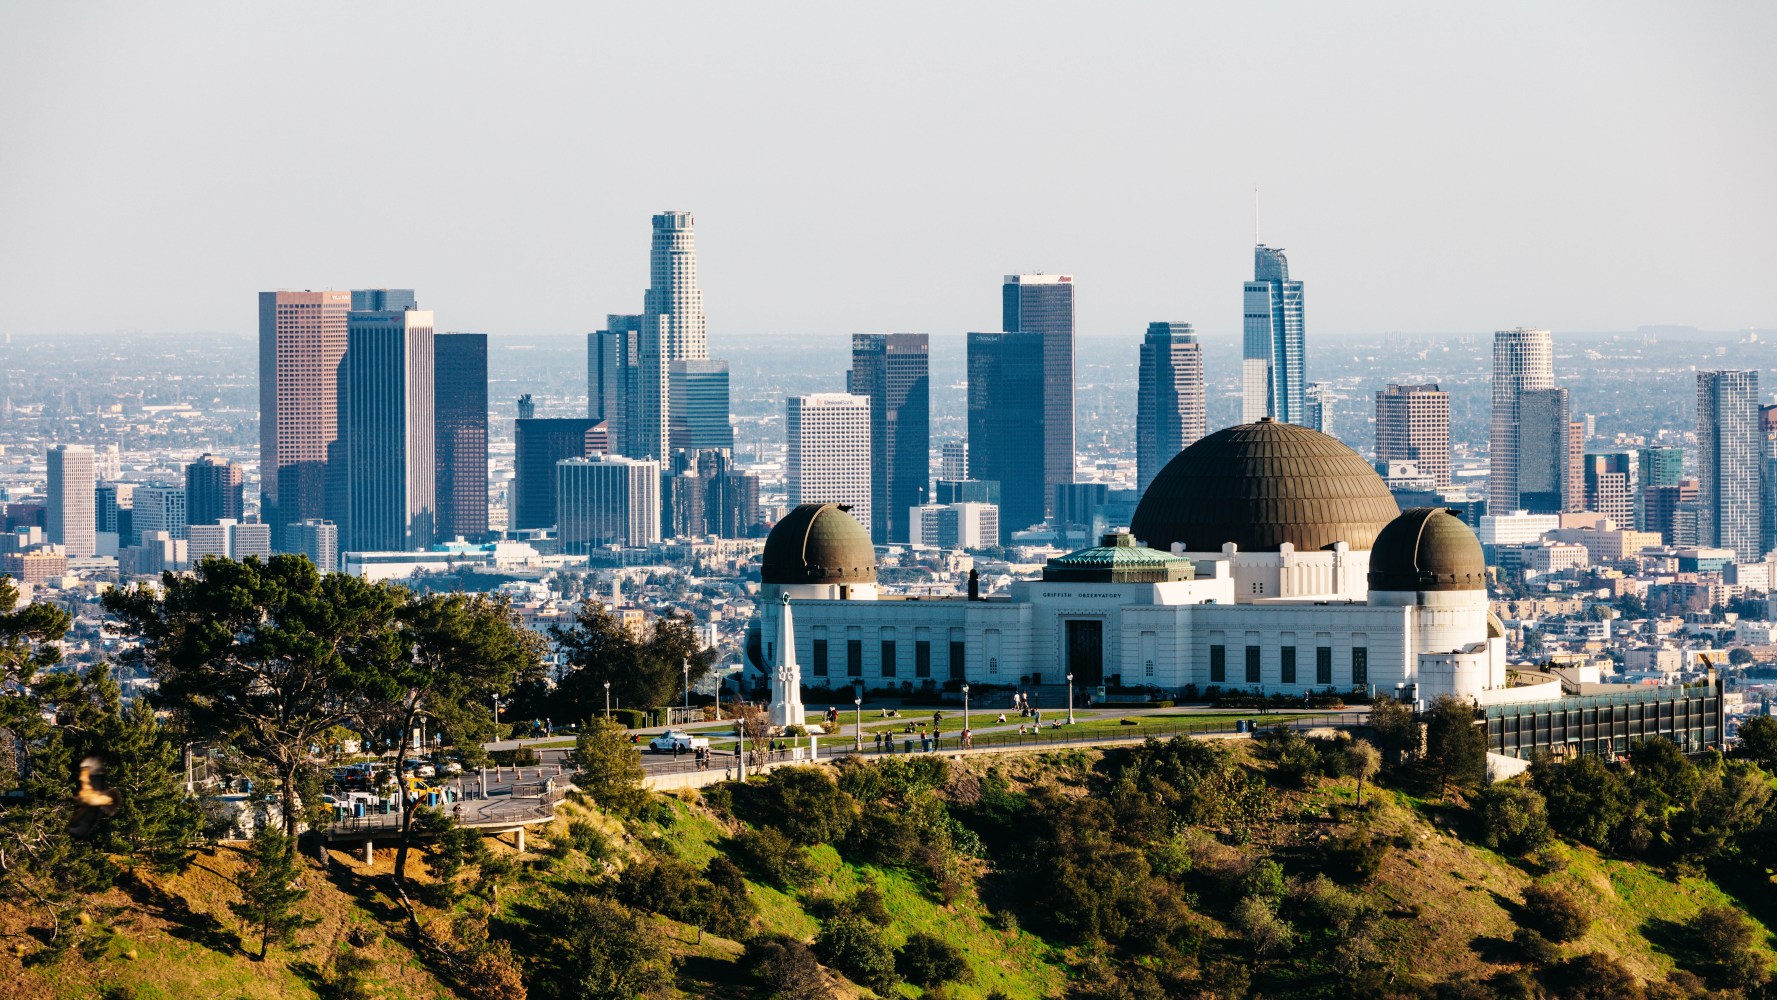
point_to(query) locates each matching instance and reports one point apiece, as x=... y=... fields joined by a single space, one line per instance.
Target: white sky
x=1429 y=167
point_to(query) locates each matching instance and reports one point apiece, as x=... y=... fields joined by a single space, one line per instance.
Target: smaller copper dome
x=1427 y=548
x=818 y=543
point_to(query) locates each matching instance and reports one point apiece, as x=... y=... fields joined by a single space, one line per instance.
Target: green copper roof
x=1117 y=559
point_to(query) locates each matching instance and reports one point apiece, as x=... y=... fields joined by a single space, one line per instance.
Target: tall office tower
x=388 y=431
x=703 y=494
x=72 y=519
x=302 y=340
x=1170 y=410
x=1573 y=496
x=319 y=540
x=1523 y=361
x=672 y=330
x=1044 y=304
x=112 y=507
x=383 y=299
x=699 y=405
x=1729 y=453
x=1661 y=506
x=1413 y=425
x=1274 y=372
x=953 y=462
x=1658 y=467
x=606 y=500
x=829 y=451
x=612 y=355
x=1543 y=453
x=1315 y=400
x=459 y=380
x=1767 y=416
x=1610 y=485
x=892 y=369
x=538 y=444
x=212 y=491
x=159 y=508
x=1006 y=411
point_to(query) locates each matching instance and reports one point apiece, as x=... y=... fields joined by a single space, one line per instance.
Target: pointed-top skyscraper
x=1274 y=377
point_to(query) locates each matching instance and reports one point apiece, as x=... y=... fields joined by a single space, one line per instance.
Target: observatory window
x=820 y=657
x=1218 y=664
x=1150 y=668
x=922 y=658
x=1288 y=665
x=854 y=657
x=1252 y=664
x=958 y=652
x=888 y=657
x=1323 y=666
x=1360 y=666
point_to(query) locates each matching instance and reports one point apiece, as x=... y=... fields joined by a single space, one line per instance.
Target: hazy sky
x=1429 y=167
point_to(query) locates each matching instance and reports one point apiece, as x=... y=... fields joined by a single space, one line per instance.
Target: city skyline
x=1454 y=216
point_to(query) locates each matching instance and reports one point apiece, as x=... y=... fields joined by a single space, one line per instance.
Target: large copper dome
x=818 y=543
x=1260 y=485
x=1427 y=548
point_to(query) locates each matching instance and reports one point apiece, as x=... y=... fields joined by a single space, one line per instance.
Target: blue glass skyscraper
x=1274 y=378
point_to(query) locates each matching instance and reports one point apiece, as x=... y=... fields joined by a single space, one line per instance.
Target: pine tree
x=610 y=769
x=156 y=821
x=270 y=890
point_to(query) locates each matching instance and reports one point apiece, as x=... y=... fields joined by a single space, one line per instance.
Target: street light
x=1070 y=699
x=965 y=707
x=686 y=663
x=496 y=714
x=859 y=702
x=607 y=700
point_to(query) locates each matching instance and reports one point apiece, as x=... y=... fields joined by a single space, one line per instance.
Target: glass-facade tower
x=1006 y=414
x=893 y=369
x=1274 y=380
x=1043 y=304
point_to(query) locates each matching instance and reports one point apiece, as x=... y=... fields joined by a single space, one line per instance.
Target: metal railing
x=1093 y=733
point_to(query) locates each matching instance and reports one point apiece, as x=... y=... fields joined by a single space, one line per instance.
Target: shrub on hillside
x=1555 y=912
x=1592 y=976
x=1587 y=800
x=1259 y=923
x=803 y=802
x=882 y=837
x=1512 y=817
x=1724 y=940
x=856 y=947
x=1325 y=904
x=669 y=886
x=785 y=968
x=1356 y=856
x=770 y=855
x=928 y=960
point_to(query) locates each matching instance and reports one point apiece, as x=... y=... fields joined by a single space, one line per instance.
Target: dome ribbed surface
x=818 y=543
x=1262 y=484
x=1427 y=548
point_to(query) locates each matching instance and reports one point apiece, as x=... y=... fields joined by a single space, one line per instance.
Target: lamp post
x=607 y=700
x=496 y=714
x=1070 y=699
x=687 y=665
x=859 y=702
x=965 y=706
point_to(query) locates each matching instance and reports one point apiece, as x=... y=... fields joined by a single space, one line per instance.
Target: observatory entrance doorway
x=1085 y=651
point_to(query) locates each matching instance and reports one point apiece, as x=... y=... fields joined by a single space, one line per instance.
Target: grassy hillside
x=1440 y=909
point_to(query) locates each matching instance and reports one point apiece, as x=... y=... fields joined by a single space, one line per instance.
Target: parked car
x=674 y=741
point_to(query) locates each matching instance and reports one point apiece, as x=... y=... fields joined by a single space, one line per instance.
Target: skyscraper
x=828 y=434
x=113 y=508
x=1006 y=412
x=1545 y=460
x=1170 y=409
x=1657 y=467
x=1413 y=425
x=71 y=519
x=672 y=329
x=1729 y=457
x=1610 y=485
x=302 y=340
x=953 y=462
x=699 y=405
x=612 y=357
x=538 y=444
x=388 y=431
x=383 y=299
x=319 y=540
x=1043 y=304
x=606 y=500
x=704 y=494
x=1523 y=361
x=1315 y=400
x=212 y=491
x=1274 y=374
x=459 y=380
x=892 y=369
x=158 y=507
